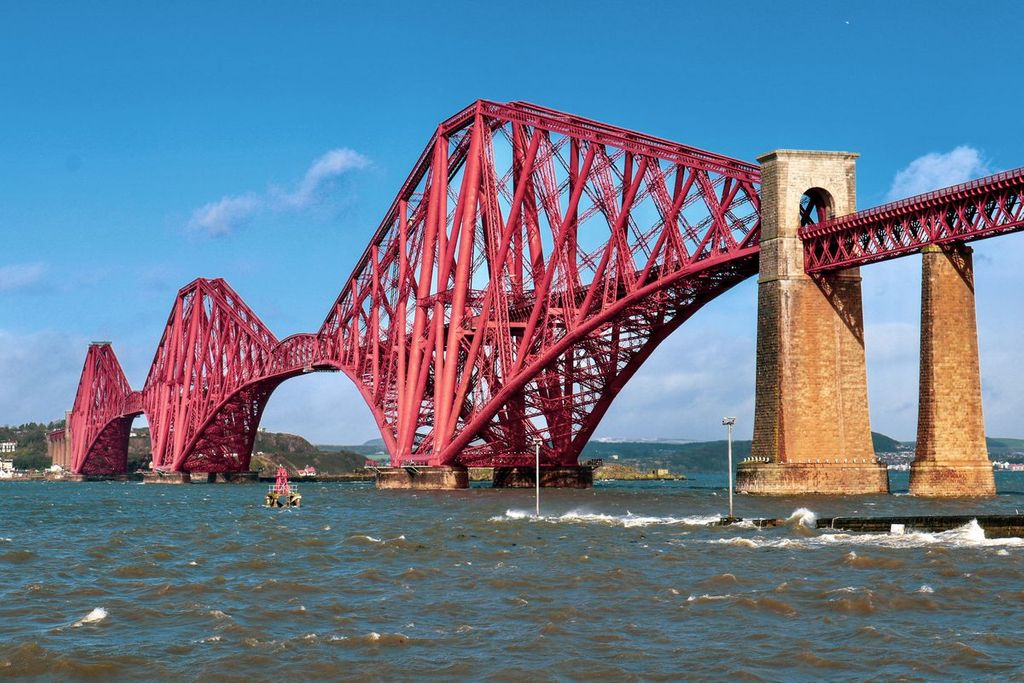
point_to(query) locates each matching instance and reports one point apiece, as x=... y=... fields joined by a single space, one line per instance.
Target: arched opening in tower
x=816 y=206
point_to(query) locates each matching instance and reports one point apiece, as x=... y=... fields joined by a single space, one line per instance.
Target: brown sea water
x=112 y=581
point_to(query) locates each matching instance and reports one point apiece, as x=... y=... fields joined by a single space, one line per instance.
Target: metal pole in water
x=729 y=422
x=536 y=451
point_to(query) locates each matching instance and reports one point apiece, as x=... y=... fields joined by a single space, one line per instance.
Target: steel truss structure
x=531 y=262
x=101 y=418
x=529 y=265
x=962 y=213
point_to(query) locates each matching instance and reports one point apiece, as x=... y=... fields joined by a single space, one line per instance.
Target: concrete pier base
x=952 y=479
x=91 y=477
x=422 y=478
x=797 y=478
x=579 y=477
x=224 y=477
x=157 y=477
x=237 y=478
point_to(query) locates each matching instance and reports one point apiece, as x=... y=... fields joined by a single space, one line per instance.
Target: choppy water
x=624 y=582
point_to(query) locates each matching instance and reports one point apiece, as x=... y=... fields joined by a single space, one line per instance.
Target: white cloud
x=936 y=170
x=221 y=217
x=323 y=170
x=20 y=275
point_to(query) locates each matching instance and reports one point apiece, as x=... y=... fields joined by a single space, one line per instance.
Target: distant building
x=6 y=469
x=309 y=471
x=8 y=446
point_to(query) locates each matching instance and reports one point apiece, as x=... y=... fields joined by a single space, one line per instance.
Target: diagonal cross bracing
x=529 y=265
x=962 y=213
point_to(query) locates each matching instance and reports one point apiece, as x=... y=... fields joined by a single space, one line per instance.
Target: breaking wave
x=627 y=520
x=968 y=536
x=93 y=617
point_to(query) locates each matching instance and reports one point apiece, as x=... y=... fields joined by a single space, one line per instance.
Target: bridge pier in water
x=952 y=457
x=422 y=477
x=564 y=477
x=812 y=433
x=160 y=477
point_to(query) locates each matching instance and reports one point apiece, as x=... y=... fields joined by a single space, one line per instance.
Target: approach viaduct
x=531 y=263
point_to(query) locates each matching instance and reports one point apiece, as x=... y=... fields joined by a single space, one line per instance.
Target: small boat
x=281 y=494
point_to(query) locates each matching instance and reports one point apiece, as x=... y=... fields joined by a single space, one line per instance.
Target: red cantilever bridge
x=529 y=265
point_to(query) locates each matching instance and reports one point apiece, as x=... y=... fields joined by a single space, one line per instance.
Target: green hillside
x=883 y=443
x=292 y=451
x=696 y=456
x=31 y=439
x=1002 y=447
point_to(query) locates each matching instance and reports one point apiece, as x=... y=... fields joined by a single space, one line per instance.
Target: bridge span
x=530 y=264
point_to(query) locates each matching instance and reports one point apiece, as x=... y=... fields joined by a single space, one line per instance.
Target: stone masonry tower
x=952 y=458
x=811 y=428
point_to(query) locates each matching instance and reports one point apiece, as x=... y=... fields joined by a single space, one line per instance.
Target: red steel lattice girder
x=970 y=211
x=528 y=266
x=100 y=420
x=206 y=389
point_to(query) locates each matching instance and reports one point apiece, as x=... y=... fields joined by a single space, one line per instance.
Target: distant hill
x=270 y=450
x=1004 y=447
x=363 y=450
x=884 y=444
x=696 y=456
x=693 y=456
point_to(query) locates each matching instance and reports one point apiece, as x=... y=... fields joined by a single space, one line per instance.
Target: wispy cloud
x=937 y=170
x=223 y=216
x=323 y=170
x=20 y=275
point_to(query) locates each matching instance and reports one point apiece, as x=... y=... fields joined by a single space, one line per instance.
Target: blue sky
x=143 y=146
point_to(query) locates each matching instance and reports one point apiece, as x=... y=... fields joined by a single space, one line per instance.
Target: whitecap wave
x=709 y=598
x=627 y=520
x=803 y=517
x=970 y=535
x=365 y=537
x=93 y=617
